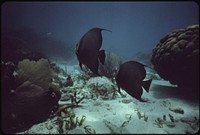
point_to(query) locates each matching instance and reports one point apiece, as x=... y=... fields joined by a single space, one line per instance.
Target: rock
x=187 y=119
x=127 y=101
x=31 y=104
x=177 y=110
x=77 y=130
x=192 y=121
x=170 y=124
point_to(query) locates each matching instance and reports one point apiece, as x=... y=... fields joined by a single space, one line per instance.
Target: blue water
x=136 y=26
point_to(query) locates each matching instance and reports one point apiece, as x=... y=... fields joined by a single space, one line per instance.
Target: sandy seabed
x=166 y=111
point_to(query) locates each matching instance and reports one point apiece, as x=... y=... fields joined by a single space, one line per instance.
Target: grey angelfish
x=130 y=78
x=88 y=50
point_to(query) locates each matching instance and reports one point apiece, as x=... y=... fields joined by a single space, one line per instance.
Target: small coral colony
x=30 y=96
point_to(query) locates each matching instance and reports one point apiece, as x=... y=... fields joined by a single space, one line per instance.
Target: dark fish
x=130 y=78
x=87 y=50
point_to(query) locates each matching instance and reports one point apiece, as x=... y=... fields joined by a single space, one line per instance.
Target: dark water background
x=136 y=26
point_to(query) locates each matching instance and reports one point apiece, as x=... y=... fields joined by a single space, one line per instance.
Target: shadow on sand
x=188 y=94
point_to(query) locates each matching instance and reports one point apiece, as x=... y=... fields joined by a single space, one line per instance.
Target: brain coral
x=176 y=57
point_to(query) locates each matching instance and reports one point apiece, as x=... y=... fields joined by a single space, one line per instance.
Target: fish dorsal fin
x=146 y=84
x=97 y=28
x=102 y=56
x=106 y=30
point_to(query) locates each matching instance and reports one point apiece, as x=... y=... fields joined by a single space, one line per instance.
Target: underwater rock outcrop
x=28 y=102
x=176 y=57
x=16 y=49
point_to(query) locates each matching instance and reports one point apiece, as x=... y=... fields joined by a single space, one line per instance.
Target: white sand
x=107 y=116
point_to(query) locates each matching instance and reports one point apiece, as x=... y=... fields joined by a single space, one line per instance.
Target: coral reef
x=7 y=79
x=100 y=87
x=69 y=82
x=15 y=49
x=29 y=104
x=38 y=72
x=25 y=103
x=176 y=57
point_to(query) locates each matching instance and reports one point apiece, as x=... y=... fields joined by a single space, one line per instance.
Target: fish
x=130 y=78
x=88 y=49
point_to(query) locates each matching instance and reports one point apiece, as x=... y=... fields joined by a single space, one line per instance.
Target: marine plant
x=64 y=108
x=145 y=117
x=102 y=87
x=171 y=118
x=74 y=101
x=125 y=123
x=70 y=121
x=158 y=123
x=89 y=130
x=139 y=115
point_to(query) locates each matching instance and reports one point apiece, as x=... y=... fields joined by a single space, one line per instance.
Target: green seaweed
x=164 y=117
x=158 y=123
x=72 y=121
x=140 y=116
x=82 y=120
x=89 y=130
x=125 y=123
x=171 y=118
x=145 y=118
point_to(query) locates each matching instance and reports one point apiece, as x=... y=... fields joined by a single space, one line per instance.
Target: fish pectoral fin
x=102 y=56
x=118 y=88
x=146 y=84
x=136 y=92
x=80 y=64
x=94 y=67
x=142 y=100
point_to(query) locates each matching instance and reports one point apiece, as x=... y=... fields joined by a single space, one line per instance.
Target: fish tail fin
x=146 y=84
x=102 y=56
